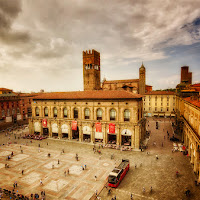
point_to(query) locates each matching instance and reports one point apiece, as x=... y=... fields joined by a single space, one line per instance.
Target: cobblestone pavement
x=160 y=174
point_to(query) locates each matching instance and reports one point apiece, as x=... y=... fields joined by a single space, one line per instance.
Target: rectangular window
x=167 y=109
x=149 y=108
x=161 y=109
x=155 y=108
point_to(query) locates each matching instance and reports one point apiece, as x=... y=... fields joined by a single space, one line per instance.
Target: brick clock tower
x=91 y=70
x=142 y=79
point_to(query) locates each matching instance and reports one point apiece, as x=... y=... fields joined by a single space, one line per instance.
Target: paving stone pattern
x=81 y=185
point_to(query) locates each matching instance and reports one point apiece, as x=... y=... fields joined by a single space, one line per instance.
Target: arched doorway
x=37 y=128
x=86 y=134
x=54 y=130
x=65 y=131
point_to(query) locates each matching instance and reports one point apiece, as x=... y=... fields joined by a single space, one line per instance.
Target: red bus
x=118 y=173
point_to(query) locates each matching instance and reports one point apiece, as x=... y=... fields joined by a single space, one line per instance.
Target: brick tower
x=142 y=79
x=91 y=70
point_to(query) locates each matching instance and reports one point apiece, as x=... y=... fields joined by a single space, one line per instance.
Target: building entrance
x=55 y=135
x=126 y=140
x=112 y=138
x=75 y=133
x=65 y=135
x=45 y=131
x=86 y=137
x=36 y=133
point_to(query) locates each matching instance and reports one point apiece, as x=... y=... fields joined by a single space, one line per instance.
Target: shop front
x=54 y=130
x=126 y=135
x=65 y=131
x=37 y=128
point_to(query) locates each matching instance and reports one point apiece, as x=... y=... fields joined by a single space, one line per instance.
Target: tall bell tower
x=91 y=70
x=142 y=79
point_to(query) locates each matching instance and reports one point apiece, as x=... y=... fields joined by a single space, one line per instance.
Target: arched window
x=55 y=112
x=75 y=113
x=87 y=113
x=65 y=112
x=126 y=115
x=99 y=114
x=37 y=111
x=112 y=114
x=46 y=112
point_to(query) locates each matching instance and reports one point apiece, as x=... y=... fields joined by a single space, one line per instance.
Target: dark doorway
x=75 y=134
x=65 y=135
x=112 y=138
x=86 y=138
x=45 y=131
x=55 y=135
x=126 y=140
x=37 y=133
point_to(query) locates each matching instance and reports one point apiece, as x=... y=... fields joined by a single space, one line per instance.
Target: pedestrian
x=95 y=177
x=63 y=151
x=85 y=166
x=143 y=189
x=41 y=182
x=22 y=171
x=96 y=193
x=21 y=151
x=65 y=173
x=58 y=162
x=135 y=166
x=151 y=189
x=68 y=171
x=52 y=166
x=157 y=157
x=131 y=196
x=38 y=145
x=16 y=184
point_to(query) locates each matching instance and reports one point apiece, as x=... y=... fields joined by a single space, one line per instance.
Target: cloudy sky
x=41 y=41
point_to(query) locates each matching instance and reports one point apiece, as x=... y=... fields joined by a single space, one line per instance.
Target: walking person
x=95 y=177
x=58 y=162
x=156 y=157
x=22 y=171
x=41 y=182
x=65 y=173
x=68 y=171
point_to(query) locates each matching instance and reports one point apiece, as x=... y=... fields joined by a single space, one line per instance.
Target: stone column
x=92 y=136
x=70 y=131
x=105 y=135
x=137 y=137
x=118 y=135
x=59 y=130
x=50 y=129
x=80 y=133
x=196 y=160
x=31 y=128
x=41 y=130
x=133 y=138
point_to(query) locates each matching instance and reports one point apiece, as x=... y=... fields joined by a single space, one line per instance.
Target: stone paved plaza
x=160 y=174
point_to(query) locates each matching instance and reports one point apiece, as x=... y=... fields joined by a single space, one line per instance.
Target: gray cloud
x=46 y=39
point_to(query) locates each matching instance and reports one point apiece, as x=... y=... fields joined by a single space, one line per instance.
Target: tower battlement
x=91 y=52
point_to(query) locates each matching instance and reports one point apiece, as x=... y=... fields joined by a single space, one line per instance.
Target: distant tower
x=91 y=70
x=142 y=79
x=186 y=76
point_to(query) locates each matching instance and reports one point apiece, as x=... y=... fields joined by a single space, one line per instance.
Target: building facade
x=159 y=104
x=188 y=123
x=111 y=117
